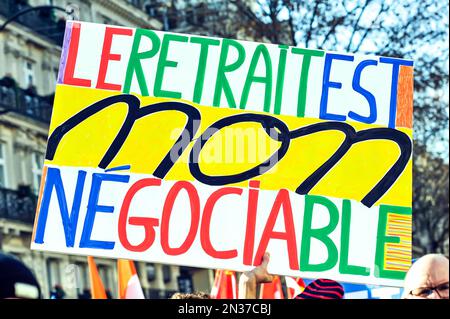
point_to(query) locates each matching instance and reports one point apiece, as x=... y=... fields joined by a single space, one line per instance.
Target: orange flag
x=129 y=285
x=295 y=286
x=272 y=290
x=97 y=288
x=225 y=286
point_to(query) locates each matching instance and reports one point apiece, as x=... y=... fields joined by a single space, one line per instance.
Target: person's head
x=59 y=291
x=86 y=293
x=322 y=289
x=427 y=278
x=195 y=295
x=16 y=280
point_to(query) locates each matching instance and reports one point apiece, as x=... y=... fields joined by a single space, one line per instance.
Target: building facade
x=29 y=60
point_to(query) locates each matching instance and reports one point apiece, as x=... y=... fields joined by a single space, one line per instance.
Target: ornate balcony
x=25 y=102
x=19 y=205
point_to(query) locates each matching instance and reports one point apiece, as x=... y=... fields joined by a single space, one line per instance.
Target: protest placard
x=207 y=152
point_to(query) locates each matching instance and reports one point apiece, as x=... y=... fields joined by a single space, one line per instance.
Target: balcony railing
x=41 y=21
x=17 y=205
x=25 y=102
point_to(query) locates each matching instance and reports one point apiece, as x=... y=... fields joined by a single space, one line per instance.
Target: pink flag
x=129 y=285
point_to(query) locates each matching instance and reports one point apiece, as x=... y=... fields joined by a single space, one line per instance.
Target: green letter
x=320 y=234
x=163 y=63
x=251 y=78
x=307 y=54
x=382 y=239
x=221 y=81
x=134 y=63
x=205 y=43
x=280 y=78
x=344 y=267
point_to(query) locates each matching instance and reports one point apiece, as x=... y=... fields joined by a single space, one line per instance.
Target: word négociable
x=137 y=222
x=234 y=73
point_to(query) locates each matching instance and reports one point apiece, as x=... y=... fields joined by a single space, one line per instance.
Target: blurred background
x=31 y=33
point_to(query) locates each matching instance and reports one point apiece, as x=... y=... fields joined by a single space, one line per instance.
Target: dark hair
x=16 y=279
x=194 y=295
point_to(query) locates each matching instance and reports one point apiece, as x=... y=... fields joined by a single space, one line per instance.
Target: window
x=103 y=271
x=82 y=276
x=29 y=74
x=167 y=273
x=151 y=272
x=185 y=284
x=53 y=273
x=150 y=8
x=107 y=275
x=107 y=20
x=37 y=162
x=3 y=180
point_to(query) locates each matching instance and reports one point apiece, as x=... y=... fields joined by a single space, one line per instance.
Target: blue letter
x=93 y=207
x=326 y=84
x=369 y=97
x=54 y=180
x=394 y=83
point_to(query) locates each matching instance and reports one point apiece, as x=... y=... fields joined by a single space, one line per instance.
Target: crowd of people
x=428 y=278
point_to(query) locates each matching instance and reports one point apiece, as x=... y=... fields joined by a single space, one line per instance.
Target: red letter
x=72 y=59
x=268 y=233
x=108 y=56
x=195 y=217
x=148 y=223
x=206 y=220
x=251 y=221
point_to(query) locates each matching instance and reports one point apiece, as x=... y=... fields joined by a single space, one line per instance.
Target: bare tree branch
x=369 y=29
x=311 y=21
x=356 y=24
